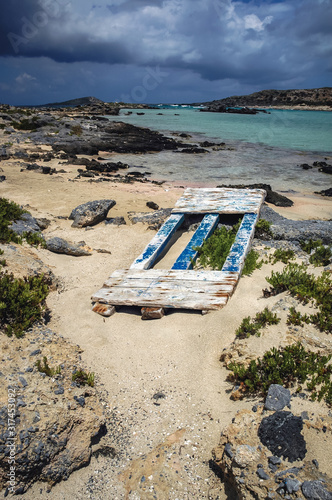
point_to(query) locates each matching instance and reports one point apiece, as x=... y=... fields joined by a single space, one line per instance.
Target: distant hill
x=81 y=101
x=306 y=98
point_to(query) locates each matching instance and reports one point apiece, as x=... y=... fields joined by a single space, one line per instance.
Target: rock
x=281 y=434
x=262 y=474
x=292 y=485
x=152 y=205
x=305 y=166
x=192 y=150
x=242 y=461
x=325 y=192
x=59 y=245
x=104 y=309
x=117 y=221
x=297 y=230
x=156 y=218
x=91 y=213
x=315 y=490
x=2 y=178
x=26 y=224
x=277 y=397
x=152 y=312
x=53 y=437
x=23 y=261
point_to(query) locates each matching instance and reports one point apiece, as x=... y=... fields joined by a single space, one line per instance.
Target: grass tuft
x=248 y=327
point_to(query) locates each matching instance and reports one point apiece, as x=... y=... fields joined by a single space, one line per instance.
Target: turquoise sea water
x=262 y=148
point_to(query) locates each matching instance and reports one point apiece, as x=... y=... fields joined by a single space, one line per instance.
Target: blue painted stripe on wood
x=158 y=242
x=205 y=229
x=240 y=247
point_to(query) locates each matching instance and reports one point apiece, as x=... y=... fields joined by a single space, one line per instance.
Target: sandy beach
x=163 y=446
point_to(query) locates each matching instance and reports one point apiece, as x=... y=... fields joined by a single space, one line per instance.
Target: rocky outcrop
x=263 y=454
x=297 y=230
x=59 y=245
x=47 y=422
x=298 y=97
x=91 y=213
x=26 y=224
x=153 y=219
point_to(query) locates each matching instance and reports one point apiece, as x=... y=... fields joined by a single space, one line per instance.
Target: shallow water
x=262 y=148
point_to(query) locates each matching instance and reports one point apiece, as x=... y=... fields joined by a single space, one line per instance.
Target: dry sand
x=163 y=450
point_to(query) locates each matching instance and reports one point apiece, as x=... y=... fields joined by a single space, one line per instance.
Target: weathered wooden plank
x=220 y=200
x=205 y=229
x=237 y=254
x=158 y=242
x=168 y=289
x=170 y=274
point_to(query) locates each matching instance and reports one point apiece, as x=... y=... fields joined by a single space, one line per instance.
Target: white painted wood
x=220 y=200
x=158 y=242
x=153 y=288
x=238 y=252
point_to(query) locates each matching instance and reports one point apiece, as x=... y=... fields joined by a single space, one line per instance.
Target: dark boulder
x=315 y=490
x=281 y=434
x=91 y=213
x=26 y=224
x=325 y=192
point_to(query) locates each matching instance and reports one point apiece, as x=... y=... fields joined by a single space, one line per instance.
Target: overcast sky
x=161 y=50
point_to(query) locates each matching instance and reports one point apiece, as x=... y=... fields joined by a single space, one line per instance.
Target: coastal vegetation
x=306 y=288
x=248 y=327
x=11 y=212
x=320 y=255
x=214 y=251
x=22 y=302
x=290 y=366
x=43 y=367
x=82 y=377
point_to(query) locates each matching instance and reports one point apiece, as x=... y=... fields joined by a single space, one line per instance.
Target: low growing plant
x=282 y=255
x=45 y=368
x=306 y=287
x=82 y=377
x=248 y=327
x=22 y=302
x=263 y=229
x=215 y=249
x=287 y=366
x=296 y=318
x=321 y=256
x=251 y=263
x=9 y=212
x=34 y=239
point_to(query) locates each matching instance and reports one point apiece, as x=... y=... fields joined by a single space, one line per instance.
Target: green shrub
x=308 y=246
x=45 y=368
x=251 y=263
x=263 y=229
x=215 y=249
x=286 y=366
x=25 y=124
x=82 y=377
x=34 y=239
x=9 y=212
x=247 y=328
x=282 y=256
x=22 y=302
x=306 y=287
x=321 y=256
x=296 y=318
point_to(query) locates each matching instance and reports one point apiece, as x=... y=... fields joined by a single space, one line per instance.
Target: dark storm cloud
x=247 y=44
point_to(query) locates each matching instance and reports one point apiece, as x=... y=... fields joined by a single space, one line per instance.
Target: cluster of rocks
x=263 y=453
x=297 y=230
x=53 y=420
x=217 y=107
x=321 y=165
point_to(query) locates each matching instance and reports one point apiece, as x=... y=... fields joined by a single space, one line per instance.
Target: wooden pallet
x=182 y=287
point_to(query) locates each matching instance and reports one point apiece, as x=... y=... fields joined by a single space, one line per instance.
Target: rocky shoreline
x=146 y=427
